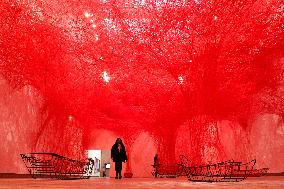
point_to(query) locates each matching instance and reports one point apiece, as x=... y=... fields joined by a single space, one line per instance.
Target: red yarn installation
x=151 y=66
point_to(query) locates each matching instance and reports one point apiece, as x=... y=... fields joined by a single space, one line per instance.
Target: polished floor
x=140 y=183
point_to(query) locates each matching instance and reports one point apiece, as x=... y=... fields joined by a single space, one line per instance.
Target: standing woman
x=118 y=155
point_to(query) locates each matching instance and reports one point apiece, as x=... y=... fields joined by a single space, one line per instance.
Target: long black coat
x=118 y=156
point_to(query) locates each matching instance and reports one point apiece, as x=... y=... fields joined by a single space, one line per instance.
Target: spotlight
x=106 y=77
x=180 y=80
x=70 y=117
x=87 y=15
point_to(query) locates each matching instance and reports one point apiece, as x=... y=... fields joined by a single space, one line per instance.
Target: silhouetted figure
x=156 y=164
x=118 y=155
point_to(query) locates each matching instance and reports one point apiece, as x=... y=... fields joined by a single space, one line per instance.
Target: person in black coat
x=118 y=155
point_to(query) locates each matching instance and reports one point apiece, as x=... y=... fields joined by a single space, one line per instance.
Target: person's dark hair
x=118 y=140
